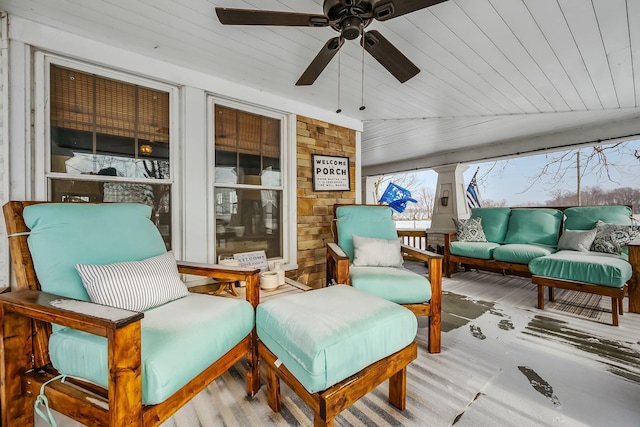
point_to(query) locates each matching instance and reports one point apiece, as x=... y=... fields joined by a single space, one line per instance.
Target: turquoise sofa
x=514 y=237
x=525 y=241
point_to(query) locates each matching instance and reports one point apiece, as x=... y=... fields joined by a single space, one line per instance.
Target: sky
x=509 y=179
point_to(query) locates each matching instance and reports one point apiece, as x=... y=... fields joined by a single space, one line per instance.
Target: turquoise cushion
x=589 y=267
x=534 y=226
x=520 y=253
x=585 y=217
x=326 y=335
x=479 y=250
x=365 y=221
x=494 y=222
x=65 y=234
x=179 y=340
x=399 y=285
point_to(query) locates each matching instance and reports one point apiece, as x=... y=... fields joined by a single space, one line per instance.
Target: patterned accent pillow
x=470 y=230
x=134 y=285
x=612 y=238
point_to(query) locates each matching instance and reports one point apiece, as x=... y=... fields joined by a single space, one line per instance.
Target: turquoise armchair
x=367 y=255
x=123 y=367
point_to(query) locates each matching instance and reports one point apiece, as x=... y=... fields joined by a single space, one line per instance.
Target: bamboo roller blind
x=86 y=102
x=242 y=132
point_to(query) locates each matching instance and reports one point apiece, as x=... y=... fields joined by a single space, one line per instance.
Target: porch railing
x=414 y=237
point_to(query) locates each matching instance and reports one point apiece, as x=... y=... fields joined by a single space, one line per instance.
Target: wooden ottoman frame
x=616 y=294
x=330 y=402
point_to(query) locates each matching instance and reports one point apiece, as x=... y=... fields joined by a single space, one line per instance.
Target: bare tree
x=586 y=161
x=597 y=196
x=489 y=203
x=405 y=180
x=425 y=198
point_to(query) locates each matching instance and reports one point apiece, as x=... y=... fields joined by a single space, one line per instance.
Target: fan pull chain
x=339 y=110
x=362 y=107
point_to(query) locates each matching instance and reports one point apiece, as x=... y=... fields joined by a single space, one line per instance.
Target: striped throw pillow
x=134 y=285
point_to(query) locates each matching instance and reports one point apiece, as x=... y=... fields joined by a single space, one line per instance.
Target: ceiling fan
x=349 y=18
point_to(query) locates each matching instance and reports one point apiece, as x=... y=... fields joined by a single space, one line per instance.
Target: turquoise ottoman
x=334 y=345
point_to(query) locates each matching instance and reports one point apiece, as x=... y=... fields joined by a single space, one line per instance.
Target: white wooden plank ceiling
x=498 y=77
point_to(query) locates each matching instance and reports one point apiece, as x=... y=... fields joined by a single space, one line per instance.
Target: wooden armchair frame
x=338 y=272
x=26 y=315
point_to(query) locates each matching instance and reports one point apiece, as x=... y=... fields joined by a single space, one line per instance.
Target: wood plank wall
x=315 y=208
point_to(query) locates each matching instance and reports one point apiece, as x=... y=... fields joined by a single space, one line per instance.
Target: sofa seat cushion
x=535 y=226
x=520 y=253
x=326 y=335
x=589 y=267
x=479 y=250
x=179 y=340
x=398 y=285
x=494 y=222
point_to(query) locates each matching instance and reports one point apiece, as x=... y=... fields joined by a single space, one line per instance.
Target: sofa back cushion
x=536 y=226
x=585 y=217
x=495 y=222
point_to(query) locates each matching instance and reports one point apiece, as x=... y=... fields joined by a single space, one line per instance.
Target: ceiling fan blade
x=394 y=8
x=321 y=60
x=389 y=56
x=229 y=16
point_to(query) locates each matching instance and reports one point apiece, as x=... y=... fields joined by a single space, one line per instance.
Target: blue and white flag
x=473 y=195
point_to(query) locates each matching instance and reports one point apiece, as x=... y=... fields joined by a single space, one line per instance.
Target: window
x=248 y=189
x=109 y=141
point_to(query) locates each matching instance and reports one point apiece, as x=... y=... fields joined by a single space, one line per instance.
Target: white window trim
x=289 y=182
x=42 y=148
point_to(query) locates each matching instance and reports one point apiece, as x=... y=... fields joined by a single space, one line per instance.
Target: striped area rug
x=439 y=387
x=580 y=304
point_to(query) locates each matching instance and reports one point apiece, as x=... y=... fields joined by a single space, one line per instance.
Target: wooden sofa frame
x=338 y=272
x=26 y=315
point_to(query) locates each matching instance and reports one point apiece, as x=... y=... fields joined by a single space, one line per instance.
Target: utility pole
x=579 y=192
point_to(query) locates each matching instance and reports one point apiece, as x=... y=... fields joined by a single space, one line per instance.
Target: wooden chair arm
x=82 y=315
x=226 y=273
x=336 y=252
x=448 y=238
x=337 y=265
x=420 y=254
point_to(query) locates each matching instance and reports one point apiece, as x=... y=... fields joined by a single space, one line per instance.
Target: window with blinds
x=246 y=145
x=248 y=182
x=114 y=124
x=109 y=142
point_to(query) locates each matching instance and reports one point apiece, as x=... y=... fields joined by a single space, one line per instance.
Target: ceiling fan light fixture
x=351 y=27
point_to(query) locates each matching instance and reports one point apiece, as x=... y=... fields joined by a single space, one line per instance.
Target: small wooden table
x=218 y=288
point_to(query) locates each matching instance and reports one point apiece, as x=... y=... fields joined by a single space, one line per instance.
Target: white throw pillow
x=577 y=240
x=372 y=252
x=134 y=285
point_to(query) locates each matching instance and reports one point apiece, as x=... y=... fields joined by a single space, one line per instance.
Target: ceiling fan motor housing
x=348 y=17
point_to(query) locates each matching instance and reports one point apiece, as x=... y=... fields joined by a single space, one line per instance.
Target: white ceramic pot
x=269 y=280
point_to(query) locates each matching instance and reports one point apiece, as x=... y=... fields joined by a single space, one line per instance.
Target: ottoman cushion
x=589 y=267
x=326 y=335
